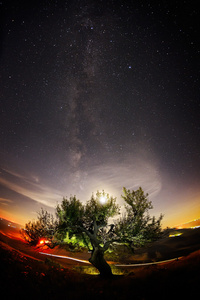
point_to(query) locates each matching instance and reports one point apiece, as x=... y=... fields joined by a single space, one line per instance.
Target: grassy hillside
x=27 y=278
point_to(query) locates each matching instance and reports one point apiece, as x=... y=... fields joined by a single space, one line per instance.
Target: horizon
x=177 y=226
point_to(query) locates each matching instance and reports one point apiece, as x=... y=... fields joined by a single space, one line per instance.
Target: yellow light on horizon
x=175 y=234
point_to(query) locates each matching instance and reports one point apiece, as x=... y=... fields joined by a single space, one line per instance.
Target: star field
x=99 y=95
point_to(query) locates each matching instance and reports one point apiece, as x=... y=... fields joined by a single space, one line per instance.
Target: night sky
x=99 y=95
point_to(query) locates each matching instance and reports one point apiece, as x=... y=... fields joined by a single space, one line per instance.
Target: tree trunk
x=97 y=260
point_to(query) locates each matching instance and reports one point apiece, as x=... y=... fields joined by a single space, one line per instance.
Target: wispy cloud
x=29 y=187
x=4 y=201
x=113 y=176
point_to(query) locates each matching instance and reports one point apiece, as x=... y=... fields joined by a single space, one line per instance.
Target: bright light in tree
x=103 y=199
x=43 y=241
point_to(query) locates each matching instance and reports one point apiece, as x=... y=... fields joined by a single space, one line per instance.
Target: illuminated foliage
x=137 y=227
x=89 y=223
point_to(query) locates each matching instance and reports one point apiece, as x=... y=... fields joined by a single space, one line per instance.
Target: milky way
x=99 y=95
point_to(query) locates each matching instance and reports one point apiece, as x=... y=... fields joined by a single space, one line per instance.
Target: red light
x=43 y=241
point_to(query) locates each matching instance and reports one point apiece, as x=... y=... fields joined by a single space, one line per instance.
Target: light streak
x=175 y=234
x=117 y=265
x=151 y=263
x=66 y=257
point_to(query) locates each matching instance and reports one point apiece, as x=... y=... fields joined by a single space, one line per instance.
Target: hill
x=10 y=223
x=175 y=243
x=190 y=224
x=26 y=276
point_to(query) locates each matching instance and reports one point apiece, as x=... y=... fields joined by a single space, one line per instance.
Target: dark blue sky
x=99 y=95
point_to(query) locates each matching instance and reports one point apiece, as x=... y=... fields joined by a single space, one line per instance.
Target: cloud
x=29 y=187
x=4 y=201
x=113 y=176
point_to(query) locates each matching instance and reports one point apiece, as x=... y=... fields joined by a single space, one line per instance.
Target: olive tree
x=137 y=227
x=90 y=221
x=96 y=225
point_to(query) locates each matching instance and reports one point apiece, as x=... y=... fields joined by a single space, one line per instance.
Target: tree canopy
x=44 y=227
x=95 y=224
x=137 y=227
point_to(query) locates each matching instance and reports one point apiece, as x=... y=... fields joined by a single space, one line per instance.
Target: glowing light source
x=43 y=241
x=174 y=235
x=103 y=199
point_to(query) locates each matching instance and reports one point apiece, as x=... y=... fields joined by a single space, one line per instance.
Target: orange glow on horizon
x=8 y=217
x=14 y=218
x=176 y=215
x=182 y=212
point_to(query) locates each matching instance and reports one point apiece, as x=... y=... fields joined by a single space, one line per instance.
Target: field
x=27 y=276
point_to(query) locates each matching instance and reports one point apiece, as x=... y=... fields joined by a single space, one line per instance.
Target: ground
x=29 y=276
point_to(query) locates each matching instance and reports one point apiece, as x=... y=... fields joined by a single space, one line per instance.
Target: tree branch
x=108 y=243
x=95 y=228
x=91 y=236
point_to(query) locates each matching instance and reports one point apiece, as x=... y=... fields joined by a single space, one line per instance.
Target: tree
x=41 y=231
x=90 y=222
x=137 y=227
